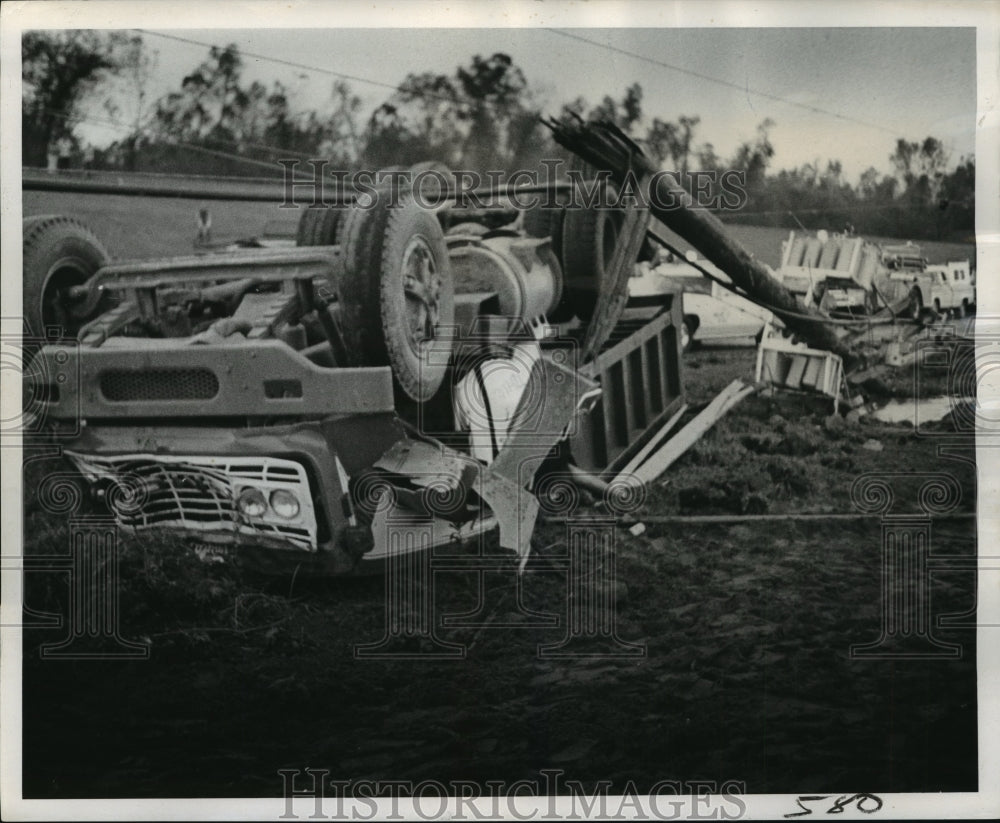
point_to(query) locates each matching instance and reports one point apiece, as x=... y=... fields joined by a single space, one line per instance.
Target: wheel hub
x=58 y=308
x=422 y=287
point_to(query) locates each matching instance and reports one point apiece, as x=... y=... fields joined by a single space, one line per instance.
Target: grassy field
x=765 y=243
x=142 y=227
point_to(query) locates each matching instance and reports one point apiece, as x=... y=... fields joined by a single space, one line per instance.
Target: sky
x=872 y=84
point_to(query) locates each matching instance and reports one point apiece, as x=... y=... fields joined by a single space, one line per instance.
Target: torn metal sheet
x=426 y=464
x=505 y=480
x=397 y=530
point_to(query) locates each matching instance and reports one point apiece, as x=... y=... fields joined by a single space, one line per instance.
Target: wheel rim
x=422 y=289
x=57 y=307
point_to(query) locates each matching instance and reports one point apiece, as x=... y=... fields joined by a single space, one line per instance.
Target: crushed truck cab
x=294 y=403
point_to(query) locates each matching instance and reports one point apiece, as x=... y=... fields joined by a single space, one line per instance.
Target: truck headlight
x=284 y=504
x=251 y=502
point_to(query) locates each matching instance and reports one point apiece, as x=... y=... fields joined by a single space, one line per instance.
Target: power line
x=181 y=143
x=305 y=67
x=101 y=121
x=447 y=99
x=722 y=82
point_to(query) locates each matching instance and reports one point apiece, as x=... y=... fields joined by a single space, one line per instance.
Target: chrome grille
x=199 y=493
x=128 y=385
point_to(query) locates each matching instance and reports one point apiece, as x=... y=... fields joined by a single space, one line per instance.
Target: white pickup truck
x=947 y=287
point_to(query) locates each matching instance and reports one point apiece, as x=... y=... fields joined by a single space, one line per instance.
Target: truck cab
x=951 y=287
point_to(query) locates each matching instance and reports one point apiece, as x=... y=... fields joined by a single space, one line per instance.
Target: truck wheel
x=319 y=226
x=558 y=227
x=396 y=294
x=538 y=221
x=59 y=252
x=588 y=243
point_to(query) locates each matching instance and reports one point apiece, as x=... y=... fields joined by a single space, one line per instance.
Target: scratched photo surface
x=676 y=492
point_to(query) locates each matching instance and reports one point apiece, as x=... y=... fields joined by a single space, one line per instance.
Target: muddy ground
x=744 y=630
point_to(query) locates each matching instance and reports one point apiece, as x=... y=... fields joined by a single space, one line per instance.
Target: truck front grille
x=199 y=493
x=130 y=385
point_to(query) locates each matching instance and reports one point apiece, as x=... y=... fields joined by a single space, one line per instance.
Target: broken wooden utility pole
x=605 y=146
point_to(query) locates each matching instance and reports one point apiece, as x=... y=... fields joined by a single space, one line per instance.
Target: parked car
x=711 y=311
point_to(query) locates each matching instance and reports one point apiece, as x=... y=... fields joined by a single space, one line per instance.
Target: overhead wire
x=184 y=143
x=304 y=66
x=722 y=82
x=446 y=98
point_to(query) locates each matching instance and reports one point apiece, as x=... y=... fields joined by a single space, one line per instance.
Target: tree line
x=482 y=116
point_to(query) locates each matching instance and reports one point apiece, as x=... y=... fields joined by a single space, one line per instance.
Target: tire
x=558 y=227
x=319 y=226
x=564 y=310
x=538 y=221
x=306 y=227
x=384 y=324
x=59 y=252
x=588 y=242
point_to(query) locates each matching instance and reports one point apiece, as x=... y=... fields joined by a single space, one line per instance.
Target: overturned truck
x=295 y=403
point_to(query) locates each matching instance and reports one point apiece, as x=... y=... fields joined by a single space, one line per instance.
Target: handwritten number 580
x=864 y=803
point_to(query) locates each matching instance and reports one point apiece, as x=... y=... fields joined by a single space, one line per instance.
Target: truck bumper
x=188 y=480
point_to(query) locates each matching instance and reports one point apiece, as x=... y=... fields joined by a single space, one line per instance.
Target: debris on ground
x=657 y=463
x=796 y=367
